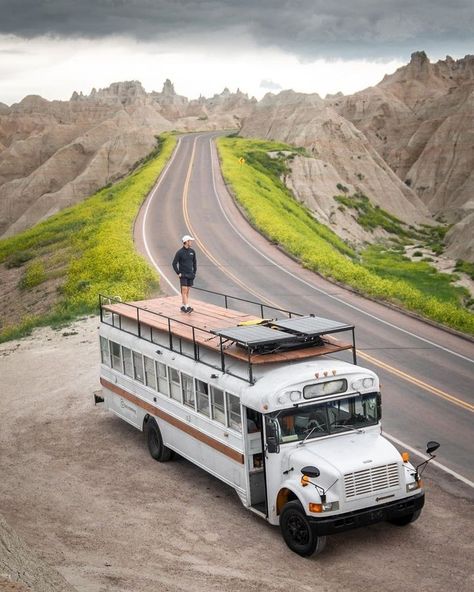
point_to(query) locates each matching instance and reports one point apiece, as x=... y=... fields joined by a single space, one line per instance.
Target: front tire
x=404 y=520
x=157 y=449
x=297 y=532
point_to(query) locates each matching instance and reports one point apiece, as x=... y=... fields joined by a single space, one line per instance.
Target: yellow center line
x=423 y=385
x=200 y=243
x=428 y=387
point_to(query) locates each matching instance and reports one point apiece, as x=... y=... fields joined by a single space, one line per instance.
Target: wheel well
x=284 y=496
x=145 y=420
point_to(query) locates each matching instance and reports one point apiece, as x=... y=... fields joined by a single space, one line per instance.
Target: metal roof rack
x=250 y=339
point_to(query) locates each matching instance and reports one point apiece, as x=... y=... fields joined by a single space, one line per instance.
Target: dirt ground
x=79 y=487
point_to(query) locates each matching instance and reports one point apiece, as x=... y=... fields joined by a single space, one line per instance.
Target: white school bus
x=262 y=404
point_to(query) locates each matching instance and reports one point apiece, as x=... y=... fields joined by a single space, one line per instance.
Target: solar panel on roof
x=254 y=335
x=310 y=325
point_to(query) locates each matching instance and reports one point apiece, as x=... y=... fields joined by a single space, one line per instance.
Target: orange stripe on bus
x=177 y=423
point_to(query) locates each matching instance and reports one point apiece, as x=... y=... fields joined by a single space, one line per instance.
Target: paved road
x=426 y=373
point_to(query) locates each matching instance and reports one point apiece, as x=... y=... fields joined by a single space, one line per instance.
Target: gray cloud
x=270 y=85
x=307 y=28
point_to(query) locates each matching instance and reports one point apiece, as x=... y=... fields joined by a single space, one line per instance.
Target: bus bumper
x=372 y=515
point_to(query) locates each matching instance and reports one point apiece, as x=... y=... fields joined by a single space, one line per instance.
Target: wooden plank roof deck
x=164 y=314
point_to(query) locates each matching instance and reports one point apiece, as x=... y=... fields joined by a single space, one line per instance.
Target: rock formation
x=421 y=121
x=407 y=143
x=55 y=153
x=339 y=154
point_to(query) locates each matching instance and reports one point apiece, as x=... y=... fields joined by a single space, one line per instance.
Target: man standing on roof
x=185 y=265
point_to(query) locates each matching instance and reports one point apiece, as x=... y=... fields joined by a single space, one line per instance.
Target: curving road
x=426 y=373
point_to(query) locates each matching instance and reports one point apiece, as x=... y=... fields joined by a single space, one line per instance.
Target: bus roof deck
x=230 y=334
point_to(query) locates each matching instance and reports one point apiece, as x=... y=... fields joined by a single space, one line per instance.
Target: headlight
x=326 y=507
x=413 y=486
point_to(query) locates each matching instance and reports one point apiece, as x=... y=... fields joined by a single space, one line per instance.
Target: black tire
x=404 y=520
x=297 y=532
x=157 y=449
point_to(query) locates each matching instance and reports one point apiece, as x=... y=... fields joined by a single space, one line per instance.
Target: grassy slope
x=271 y=208
x=89 y=247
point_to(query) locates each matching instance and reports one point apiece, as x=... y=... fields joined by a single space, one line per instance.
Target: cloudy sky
x=53 y=47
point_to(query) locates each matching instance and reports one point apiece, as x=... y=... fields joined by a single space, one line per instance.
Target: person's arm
x=175 y=263
x=195 y=265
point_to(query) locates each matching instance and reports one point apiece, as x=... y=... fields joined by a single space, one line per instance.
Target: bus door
x=273 y=464
x=255 y=460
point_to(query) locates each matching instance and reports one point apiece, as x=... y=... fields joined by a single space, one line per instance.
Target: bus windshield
x=332 y=417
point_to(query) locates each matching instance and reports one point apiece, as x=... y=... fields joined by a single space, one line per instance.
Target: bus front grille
x=371 y=480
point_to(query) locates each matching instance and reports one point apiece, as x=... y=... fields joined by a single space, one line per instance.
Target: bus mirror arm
x=430 y=448
x=313 y=473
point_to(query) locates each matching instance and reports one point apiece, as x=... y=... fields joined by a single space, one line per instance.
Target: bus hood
x=345 y=453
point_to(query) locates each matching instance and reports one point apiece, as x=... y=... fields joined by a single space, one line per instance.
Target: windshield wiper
x=348 y=425
x=316 y=427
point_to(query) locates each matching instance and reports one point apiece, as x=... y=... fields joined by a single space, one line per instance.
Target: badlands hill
x=55 y=153
x=407 y=143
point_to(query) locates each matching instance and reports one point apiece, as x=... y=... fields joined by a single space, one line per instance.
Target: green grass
x=89 y=247
x=465 y=267
x=371 y=217
x=269 y=205
x=389 y=264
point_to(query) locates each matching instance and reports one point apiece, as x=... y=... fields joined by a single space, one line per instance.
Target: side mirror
x=271 y=429
x=431 y=447
x=272 y=445
x=311 y=472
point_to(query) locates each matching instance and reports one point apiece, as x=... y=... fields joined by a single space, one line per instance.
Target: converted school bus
x=261 y=403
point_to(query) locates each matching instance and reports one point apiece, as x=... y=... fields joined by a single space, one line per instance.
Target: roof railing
x=175 y=341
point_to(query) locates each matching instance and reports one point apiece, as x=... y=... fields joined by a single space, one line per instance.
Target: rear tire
x=297 y=531
x=157 y=449
x=405 y=520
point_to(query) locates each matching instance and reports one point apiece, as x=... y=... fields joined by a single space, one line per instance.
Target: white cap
x=187 y=238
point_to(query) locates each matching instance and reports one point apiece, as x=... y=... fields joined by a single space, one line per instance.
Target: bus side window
x=127 y=361
x=104 y=351
x=163 y=385
x=150 y=375
x=116 y=356
x=138 y=367
x=217 y=405
x=188 y=390
x=234 y=418
x=202 y=395
x=175 y=384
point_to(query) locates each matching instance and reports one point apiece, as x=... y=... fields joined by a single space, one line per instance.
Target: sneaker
x=189 y=309
x=183 y=308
